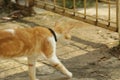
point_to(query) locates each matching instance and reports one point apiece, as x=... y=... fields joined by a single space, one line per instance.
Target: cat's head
x=63 y=30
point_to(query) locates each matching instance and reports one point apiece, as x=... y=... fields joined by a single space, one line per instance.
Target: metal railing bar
x=85 y=9
x=73 y=13
x=44 y=3
x=72 y=10
x=64 y=5
x=118 y=17
x=74 y=7
x=108 y=2
x=54 y=3
x=96 y=11
x=109 y=15
x=78 y=17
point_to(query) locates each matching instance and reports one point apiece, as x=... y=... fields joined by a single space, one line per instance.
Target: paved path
x=85 y=55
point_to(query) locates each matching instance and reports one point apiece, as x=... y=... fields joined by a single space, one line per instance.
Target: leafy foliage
x=79 y=3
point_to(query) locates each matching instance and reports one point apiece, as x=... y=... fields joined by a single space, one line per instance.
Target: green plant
x=7 y=2
x=78 y=3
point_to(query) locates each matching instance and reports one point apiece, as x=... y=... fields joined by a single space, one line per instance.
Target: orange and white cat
x=31 y=42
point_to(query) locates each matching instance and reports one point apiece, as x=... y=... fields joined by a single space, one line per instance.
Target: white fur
x=54 y=57
x=54 y=60
x=10 y=30
x=52 y=41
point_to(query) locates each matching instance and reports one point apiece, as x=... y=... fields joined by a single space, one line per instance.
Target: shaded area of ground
x=115 y=51
x=86 y=55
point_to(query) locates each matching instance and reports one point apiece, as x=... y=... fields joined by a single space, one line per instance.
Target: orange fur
x=31 y=42
x=25 y=41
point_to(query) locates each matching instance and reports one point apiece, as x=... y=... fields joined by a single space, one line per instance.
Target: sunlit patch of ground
x=86 y=55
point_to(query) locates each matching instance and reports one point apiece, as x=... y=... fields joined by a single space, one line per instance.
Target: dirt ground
x=86 y=55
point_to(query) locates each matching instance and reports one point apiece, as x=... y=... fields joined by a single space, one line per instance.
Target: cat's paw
x=36 y=79
x=69 y=75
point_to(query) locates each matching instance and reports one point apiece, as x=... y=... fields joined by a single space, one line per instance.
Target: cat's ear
x=58 y=28
x=57 y=24
x=63 y=28
x=60 y=22
x=68 y=28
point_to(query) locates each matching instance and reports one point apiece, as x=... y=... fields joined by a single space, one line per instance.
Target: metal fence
x=108 y=20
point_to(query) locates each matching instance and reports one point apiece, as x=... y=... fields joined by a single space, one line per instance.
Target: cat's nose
x=67 y=36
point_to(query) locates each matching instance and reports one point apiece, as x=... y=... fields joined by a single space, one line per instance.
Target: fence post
x=118 y=17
